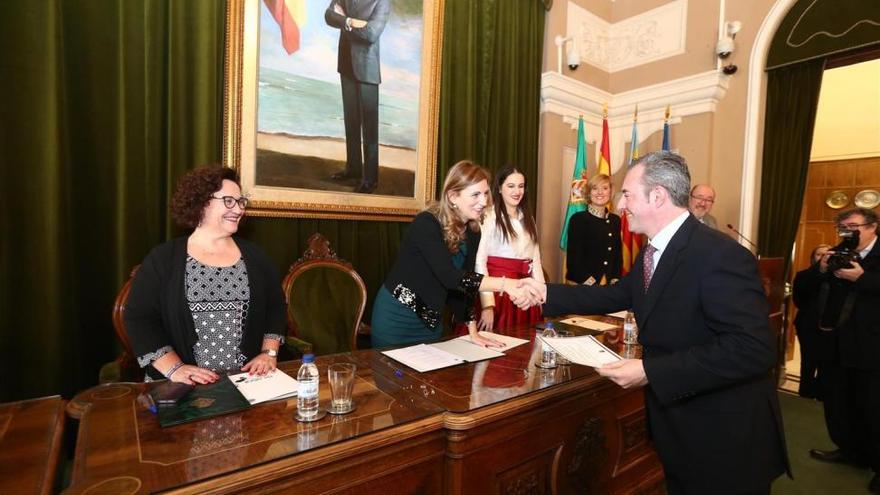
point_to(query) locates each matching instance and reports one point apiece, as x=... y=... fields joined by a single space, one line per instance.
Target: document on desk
x=619 y=314
x=424 y=357
x=508 y=341
x=263 y=388
x=429 y=357
x=583 y=322
x=584 y=350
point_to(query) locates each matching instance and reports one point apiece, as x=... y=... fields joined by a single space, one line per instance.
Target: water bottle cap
x=308 y=358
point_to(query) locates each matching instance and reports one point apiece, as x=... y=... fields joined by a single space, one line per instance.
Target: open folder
x=429 y=357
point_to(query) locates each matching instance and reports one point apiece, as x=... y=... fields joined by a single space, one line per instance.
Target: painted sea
x=302 y=106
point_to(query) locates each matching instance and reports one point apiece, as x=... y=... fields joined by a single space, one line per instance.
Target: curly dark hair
x=195 y=190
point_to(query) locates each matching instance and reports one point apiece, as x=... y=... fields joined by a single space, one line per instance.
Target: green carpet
x=805 y=430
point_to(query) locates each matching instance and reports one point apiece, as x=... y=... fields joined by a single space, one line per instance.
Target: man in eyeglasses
x=700 y=203
x=849 y=308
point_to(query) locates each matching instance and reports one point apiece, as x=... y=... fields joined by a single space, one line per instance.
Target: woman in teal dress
x=435 y=267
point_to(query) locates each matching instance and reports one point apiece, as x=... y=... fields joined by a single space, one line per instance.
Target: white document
x=619 y=314
x=271 y=386
x=508 y=341
x=588 y=323
x=423 y=357
x=584 y=350
x=467 y=350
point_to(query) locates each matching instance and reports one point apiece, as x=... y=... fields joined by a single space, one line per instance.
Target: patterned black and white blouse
x=218 y=298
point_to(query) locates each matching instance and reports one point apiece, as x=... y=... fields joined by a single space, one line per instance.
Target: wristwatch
x=270 y=352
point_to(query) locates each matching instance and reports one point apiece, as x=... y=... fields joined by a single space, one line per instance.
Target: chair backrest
x=325 y=299
x=128 y=366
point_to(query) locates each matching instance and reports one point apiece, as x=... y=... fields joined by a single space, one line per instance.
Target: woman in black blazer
x=208 y=302
x=435 y=266
x=594 y=249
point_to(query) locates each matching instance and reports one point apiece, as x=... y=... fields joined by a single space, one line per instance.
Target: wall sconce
x=726 y=45
x=572 y=57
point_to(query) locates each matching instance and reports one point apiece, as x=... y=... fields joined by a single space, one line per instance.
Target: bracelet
x=503 y=280
x=173 y=369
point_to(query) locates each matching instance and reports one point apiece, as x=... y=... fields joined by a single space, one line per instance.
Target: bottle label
x=308 y=389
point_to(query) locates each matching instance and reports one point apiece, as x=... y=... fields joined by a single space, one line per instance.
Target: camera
x=845 y=253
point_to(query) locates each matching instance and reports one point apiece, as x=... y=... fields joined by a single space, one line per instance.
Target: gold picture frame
x=241 y=127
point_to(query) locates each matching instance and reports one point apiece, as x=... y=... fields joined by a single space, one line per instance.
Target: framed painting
x=331 y=106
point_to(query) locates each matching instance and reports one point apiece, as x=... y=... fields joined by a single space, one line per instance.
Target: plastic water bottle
x=548 y=355
x=307 y=393
x=630 y=329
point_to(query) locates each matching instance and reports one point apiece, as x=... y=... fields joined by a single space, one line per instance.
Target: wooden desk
x=499 y=426
x=30 y=443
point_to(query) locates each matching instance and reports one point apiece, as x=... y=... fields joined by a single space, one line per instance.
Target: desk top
x=30 y=442
x=122 y=448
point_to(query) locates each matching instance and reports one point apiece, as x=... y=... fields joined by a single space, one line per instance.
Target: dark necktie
x=648 y=264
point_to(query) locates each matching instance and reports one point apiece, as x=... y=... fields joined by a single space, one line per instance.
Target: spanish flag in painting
x=290 y=16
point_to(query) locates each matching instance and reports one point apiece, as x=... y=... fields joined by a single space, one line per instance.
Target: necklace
x=597 y=211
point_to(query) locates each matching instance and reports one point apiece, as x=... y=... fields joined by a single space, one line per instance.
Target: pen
x=146 y=401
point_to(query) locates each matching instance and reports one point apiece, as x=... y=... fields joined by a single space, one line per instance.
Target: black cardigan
x=593 y=247
x=424 y=265
x=157 y=313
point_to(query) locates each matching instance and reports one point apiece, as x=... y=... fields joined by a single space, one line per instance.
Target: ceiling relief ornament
x=653 y=35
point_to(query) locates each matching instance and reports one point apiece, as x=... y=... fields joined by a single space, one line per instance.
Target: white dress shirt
x=492 y=243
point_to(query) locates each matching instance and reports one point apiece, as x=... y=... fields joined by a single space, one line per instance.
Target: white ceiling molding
x=652 y=35
x=570 y=98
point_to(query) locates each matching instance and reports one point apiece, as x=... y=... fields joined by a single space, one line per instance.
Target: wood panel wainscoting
x=499 y=426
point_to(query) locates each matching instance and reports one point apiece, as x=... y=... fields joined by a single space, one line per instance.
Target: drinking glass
x=341 y=378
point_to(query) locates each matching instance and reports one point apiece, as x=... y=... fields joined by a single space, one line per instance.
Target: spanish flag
x=290 y=15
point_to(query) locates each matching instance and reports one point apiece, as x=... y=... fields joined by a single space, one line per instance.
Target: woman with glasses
x=210 y=301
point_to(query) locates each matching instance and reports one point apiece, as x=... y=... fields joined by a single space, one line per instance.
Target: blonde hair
x=461 y=176
x=595 y=181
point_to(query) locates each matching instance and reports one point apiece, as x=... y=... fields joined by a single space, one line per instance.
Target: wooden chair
x=125 y=368
x=325 y=301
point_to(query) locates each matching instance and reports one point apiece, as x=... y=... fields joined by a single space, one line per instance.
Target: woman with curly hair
x=435 y=266
x=509 y=248
x=210 y=301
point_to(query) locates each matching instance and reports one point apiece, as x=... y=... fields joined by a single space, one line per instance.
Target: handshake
x=525 y=292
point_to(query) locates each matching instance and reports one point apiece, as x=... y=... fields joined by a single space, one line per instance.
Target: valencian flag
x=631 y=243
x=290 y=16
x=666 y=130
x=578 y=181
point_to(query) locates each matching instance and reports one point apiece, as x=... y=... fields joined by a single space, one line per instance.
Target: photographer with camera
x=846 y=282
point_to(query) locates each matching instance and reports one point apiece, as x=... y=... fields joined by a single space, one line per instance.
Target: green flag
x=576 y=201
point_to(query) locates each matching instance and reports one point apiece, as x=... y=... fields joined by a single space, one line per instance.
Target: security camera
x=572 y=59
x=724 y=47
x=729 y=69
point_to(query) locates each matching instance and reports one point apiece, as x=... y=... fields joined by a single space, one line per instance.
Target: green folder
x=204 y=401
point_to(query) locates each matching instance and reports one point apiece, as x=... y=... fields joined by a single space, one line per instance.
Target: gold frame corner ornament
x=239 y=129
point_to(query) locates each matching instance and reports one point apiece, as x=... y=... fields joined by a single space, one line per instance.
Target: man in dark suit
x=360 y=23
x=708 y=350
x=849 y=298
x=817 y=346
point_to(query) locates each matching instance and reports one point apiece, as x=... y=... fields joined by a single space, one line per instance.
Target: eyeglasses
x=229 y=201
x=703 y=199
x=852 y=226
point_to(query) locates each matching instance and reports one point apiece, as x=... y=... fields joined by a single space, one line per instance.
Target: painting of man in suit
x=338 y=95
x=708 y=350
x=360 y=24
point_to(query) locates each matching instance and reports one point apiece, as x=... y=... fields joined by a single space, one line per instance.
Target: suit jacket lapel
x=672 y=256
